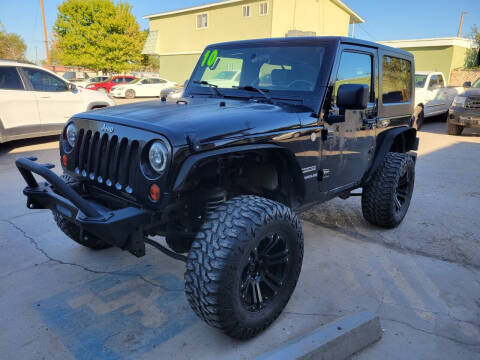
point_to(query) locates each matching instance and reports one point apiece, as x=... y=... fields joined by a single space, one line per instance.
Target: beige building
x=179 y=36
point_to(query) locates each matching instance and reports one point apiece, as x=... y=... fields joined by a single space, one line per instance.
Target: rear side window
x=355 y=68
x=128 y=79
x=9 y=78
x=43 y=81
x=397 y=78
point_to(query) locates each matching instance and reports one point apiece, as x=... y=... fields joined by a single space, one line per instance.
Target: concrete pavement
x=61 y=301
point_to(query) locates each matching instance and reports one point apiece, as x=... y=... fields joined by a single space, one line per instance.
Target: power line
x=366 y=32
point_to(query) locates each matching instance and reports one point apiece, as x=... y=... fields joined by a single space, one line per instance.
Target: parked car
x=105 y=86
x=222 y=173
x=465 y=109
x=75 y=76
x=37 y=102
x=144 y=87
x=92 y=80
x=226 y=78
x=432 y=97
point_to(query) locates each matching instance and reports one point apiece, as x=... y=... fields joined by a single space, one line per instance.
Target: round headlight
x=158 y=155
x=71 y=134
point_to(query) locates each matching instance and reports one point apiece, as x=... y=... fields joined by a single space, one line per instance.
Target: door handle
x=45 y=97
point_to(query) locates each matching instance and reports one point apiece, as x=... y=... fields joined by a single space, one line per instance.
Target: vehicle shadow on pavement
x=29 y=145
x=438 y=127
x=442 y=221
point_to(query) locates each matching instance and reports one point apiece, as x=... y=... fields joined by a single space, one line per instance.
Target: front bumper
x=117 y=93
x=122 y=228
x=464 y=117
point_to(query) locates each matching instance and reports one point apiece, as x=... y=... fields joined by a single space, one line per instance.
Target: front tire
x=453 y=129
x=130 y=94
x=244 y=264
x=386 y=198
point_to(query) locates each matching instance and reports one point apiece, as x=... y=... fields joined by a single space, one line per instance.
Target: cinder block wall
x=458 y=76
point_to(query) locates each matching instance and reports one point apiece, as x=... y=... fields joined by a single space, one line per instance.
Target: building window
x=396 y=84
x=246 y=10
x=202 y=21
x=263 y=10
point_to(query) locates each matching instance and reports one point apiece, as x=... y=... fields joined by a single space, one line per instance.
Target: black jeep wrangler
x=265 y=129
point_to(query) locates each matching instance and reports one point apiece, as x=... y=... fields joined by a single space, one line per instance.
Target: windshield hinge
x=193 y=142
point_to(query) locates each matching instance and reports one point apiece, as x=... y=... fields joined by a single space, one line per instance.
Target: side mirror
x=71 y=87
x=352 y=97
x=467 y=84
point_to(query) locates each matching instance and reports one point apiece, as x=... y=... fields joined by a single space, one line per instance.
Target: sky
x=384 y=19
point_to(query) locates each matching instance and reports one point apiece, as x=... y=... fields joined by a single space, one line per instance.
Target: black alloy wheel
x=403 y=191
x=265 y=273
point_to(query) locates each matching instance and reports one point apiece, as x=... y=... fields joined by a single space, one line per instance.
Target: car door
x=432 y=102
x=143 y=88
x=158 y=85
x=18 y=105
x=56 y=103
x=348 y=146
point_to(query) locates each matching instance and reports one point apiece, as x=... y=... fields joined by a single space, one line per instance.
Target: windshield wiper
x=253 y=88
x=211 y=86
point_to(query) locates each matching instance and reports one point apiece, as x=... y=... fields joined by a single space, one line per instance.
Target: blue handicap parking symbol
x=118 y=316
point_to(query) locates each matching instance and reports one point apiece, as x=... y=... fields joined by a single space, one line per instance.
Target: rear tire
x=130 y=94
x=453 y=129
x=244 y=265
x=73 y=231
x=419 y=117
x=386 y=198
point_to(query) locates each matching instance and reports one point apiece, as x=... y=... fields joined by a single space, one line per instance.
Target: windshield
x=420 y=80
x=476 y=84
x=270 y=68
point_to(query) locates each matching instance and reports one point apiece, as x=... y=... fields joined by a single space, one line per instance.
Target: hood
x=204 y=119
x=471 y=92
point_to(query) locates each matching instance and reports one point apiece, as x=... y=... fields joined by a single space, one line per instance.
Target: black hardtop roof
x=316 y=40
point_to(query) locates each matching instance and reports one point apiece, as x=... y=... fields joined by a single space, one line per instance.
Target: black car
x=223 y=172
x=465 y=109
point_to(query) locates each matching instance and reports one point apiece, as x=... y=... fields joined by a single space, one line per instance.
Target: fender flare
x=386 y=140
x=191 y=162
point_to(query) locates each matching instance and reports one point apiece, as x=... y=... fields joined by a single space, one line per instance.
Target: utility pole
x=45 y=32
x=36 y=55
x=459 y=34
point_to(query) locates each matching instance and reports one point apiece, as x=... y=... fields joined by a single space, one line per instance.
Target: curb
x=336 y=340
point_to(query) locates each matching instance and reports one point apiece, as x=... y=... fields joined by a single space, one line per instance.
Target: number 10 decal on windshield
x=210 y=59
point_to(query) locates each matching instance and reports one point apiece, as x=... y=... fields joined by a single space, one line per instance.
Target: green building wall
x=178 y=68
x=438 y=58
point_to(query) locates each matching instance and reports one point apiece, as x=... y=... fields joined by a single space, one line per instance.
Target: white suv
x=36 y=102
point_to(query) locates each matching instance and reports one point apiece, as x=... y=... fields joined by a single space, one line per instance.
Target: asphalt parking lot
x=61 y=301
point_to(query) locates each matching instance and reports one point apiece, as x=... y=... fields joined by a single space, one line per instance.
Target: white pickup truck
x=432 y=95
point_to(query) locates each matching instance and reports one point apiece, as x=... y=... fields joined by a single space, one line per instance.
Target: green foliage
x=12 y=45
x=99 y=35
x=472 y=57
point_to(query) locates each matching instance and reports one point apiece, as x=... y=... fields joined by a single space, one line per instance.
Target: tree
x=12 y=45
x=472 y=57
x=99 y=35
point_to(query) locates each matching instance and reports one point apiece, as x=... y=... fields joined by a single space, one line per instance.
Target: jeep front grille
x=473 y=102
x=107 y=159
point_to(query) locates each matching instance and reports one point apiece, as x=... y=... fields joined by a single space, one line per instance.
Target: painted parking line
x=118 y=316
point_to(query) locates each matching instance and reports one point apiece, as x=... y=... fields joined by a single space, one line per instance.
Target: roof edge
x=357 y=18
x=192 y=8
x=427 y=42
